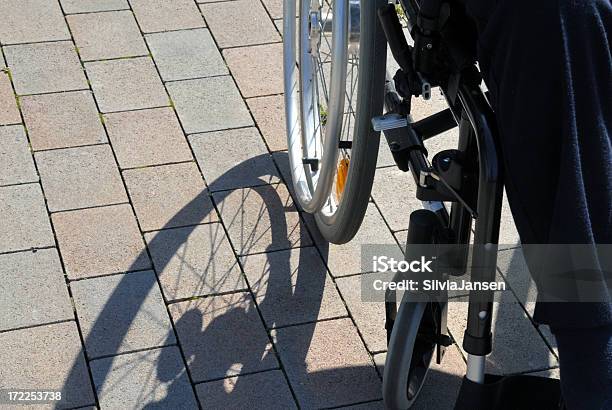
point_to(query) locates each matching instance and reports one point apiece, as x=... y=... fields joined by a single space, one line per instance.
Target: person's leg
x=548 y=66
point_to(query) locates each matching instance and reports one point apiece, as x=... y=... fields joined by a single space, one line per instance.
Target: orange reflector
x=343 y=167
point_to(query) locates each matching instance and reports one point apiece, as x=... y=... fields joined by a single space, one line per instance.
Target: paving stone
x=258 y=70
x=213 y=331
x=29 y=21
x=267 y=390
x=121 y=313
x=219 y=152
x=443 y=382
x=16 y=165
x=247 y=28
x=164 y=15
x=327 y=364
x=9 y=114
x=152 y=379
x=511 y=263
x=80 y=177
x=385 y=159
x=25 y=223
x=553 y=373
x=49 y=356
x=209 y=104
x=508 y=235
x=292 y=287
x=181 y=55
x=549 y=338
x=127 y=84
x=62 y=120
x=345 y=259
x=275 y=8
x=371 y=405
x=394 y=192
x=88 y=6
x=45 y=67
x=269 y=113
x=261 y=219
x=517 y=345
x=106 y=35
x=33 y=289
x=194 y=261
x=147 y=137
x=369 y=316
x=98 y=241
x=169 y=196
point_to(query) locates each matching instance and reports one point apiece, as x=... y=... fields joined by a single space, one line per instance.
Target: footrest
x=521 y=392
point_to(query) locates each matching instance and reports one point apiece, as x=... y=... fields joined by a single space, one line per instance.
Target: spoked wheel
x=334 y=64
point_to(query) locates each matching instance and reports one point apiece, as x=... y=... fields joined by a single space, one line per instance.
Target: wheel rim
x=321 y=76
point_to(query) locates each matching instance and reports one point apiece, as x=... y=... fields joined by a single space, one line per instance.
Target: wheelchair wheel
x=411 y=344
x=334 y=72
x=410 y=353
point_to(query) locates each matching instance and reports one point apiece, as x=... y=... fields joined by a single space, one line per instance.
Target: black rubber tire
x=364 y=153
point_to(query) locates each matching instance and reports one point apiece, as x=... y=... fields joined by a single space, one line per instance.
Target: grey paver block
x=147 y=137
x=222 y=336
x=152 y=379
x=345 y=259
x=49 y=356
x=181 y=55
x=385 y=159
x=28 y=21
x=508 y=235
x=9 y=114
x=169 y=196
x=266 y=390
x=62 y=120
x=292 y=287
x=106 y=35
x=250 y=23
x=553 y=373
x=327 y=364
x=25 y=223
x=209 y=104
x=371 y=405
x=394 y=192
x=16 y=164
x=275 y=8
x=369 y=316
x=121 y=313
x=98 y=241
x=45 y=67
x=261 y=219
x=194 y=261
x=511 y=263
x=518 y=346
x=164 y=15
x=127 y=84
x=33 y=289
x=219 y=152
x=88 y=6
x=258 y=70
x=269 y=113
x=80 y=177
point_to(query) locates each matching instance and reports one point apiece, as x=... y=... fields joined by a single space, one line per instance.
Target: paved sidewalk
x=150 y=250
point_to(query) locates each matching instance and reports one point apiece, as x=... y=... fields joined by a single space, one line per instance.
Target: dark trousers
x=548 y=65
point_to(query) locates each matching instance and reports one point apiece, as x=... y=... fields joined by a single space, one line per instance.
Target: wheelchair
x=336 y=85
